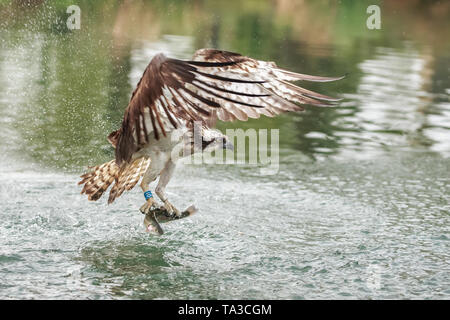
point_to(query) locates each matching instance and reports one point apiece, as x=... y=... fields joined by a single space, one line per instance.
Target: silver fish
x=156 y=216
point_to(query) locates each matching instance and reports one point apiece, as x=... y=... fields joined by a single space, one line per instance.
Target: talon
x=148 y=206
x=171 y=209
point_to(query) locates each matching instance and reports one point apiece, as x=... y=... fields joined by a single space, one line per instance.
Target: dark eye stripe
x=206 y=143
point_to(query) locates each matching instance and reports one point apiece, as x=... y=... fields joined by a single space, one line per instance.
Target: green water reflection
x=63 y=91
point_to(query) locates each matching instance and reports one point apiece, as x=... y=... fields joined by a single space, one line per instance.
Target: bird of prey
x=172 y=96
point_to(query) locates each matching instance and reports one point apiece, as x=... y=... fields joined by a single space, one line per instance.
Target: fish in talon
x=156 y=216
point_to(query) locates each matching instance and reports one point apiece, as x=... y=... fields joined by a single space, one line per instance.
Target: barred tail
x=99 y=178
x=128 y=177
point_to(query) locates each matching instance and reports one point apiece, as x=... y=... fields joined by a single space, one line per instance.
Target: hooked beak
x=228 y=145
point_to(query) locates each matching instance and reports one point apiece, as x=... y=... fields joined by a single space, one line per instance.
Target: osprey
x=173 y=96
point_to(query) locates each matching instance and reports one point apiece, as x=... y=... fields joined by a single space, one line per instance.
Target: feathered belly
x=174 y=140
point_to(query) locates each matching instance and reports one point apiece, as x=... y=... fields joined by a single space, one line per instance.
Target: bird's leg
x=150 y=202
x=149 y=176
x=164 y=179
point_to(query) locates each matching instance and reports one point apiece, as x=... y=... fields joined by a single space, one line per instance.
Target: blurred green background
x=77 y=83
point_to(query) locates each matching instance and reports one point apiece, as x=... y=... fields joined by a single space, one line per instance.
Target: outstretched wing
x=215 y=84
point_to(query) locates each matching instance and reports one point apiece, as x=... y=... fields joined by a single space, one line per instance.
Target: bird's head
x=215 y=140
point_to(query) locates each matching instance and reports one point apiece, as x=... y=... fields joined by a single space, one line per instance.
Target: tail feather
x=128 y=178
x=100 y=177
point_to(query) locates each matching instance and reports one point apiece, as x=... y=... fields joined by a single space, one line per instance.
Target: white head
x=214 y=140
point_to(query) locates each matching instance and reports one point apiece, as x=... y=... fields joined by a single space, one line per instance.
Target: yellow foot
x=171 y=209
x=148 y=206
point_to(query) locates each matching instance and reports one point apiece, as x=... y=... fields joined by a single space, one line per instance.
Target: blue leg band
x=148 y=194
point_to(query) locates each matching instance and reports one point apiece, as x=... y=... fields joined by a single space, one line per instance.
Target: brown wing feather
x=215 y=84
